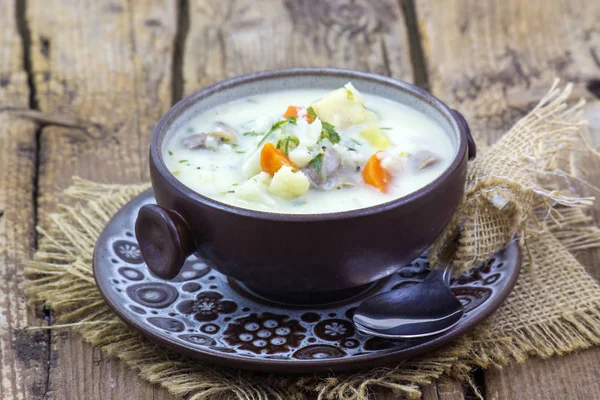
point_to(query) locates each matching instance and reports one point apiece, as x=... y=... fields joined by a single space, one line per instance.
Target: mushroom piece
x=331 y=162
x=224 y=133
x=195 y=141
x=422 y=159
x=344 y=178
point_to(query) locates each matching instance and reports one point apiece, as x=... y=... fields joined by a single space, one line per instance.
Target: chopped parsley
x=312 y=113
x=292 y=120
x=240 y=151
x=182 y=161
x=349 y=94
x=329 y=132
x=251 y=101
x=317 y=162
x=288 y=143
x=274 y=127
x=278 y=125
x=386 y=128
x=251 y=133
x=170 y=153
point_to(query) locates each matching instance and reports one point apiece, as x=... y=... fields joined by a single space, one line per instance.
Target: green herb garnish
x=386 y=128
x=349 y=94
x=231 y=191
x=317 y=162
x=234 y=184
x=292 y=120
x=251 y=101
x=182 y=161
x=312 y=113
x=278 y=125
x=329 y=132
x=288 y=143
x=356 y=142
x=274 y=127
x=240 y=151
x=170 y=153
x=251 y=133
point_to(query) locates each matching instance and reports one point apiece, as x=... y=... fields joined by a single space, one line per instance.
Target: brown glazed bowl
x=294 y=256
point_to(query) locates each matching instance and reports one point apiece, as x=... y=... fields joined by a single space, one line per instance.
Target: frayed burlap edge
x=60 y=278
x=508 y=184
x=570 y=332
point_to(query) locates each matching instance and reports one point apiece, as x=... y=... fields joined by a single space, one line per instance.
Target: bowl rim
x=188 y=101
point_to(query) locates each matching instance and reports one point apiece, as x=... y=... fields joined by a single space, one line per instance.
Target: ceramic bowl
x=295 y=256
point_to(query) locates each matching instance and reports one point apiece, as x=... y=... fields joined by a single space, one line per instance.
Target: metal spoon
x=424 y=309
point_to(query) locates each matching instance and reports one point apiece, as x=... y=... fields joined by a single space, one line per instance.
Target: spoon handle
x=445 y=274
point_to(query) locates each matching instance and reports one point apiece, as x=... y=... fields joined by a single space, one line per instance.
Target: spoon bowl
x=423 y=309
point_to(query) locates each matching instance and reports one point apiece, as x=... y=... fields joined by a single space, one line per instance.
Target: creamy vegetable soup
x=308 y=151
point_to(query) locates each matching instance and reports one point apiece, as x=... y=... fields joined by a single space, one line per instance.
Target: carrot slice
x=375 y=175
x=272 y=159
x=292 y=111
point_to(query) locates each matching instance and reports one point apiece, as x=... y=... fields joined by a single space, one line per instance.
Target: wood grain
x=444 y=389
x=574 y=377
x=24 y=355
x=493 y=60
x=238 y=37
x=108 y=65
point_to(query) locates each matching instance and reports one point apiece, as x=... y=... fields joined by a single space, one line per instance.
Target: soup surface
x=308 y=151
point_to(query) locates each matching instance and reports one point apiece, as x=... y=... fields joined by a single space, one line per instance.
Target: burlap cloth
x=520 y=187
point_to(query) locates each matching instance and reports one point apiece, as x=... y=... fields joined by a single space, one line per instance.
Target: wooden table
x=103 y=72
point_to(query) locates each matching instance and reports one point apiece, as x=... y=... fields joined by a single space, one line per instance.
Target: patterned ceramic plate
x=204 y=315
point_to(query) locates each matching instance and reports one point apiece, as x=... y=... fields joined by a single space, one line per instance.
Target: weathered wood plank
x=237 y=37
x=107 y=64
x=492 y=60
x=23 y=354
x=444 y=389
x=574 y=376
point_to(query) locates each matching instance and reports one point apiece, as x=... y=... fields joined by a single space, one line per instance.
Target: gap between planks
x=25 y=33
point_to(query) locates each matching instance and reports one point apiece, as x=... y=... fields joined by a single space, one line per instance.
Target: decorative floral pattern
x=334 y=329
x=128 y=251
x=264 y=334
x=318 y=352
x=207 y=306
x=152 y=294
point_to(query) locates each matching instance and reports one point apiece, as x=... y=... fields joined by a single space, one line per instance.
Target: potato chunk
x=375 y=137
x=300 y=156
x=251 y=165
x=288 y=184
x=254 y=190
x=343 y=107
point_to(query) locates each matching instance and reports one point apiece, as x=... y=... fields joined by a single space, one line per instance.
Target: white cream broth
x=231 y=172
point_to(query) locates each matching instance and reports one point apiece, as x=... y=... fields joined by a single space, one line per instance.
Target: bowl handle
x=165 y=240
x=462 y=124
